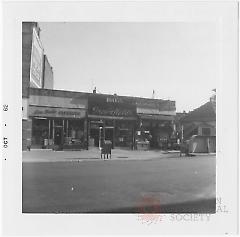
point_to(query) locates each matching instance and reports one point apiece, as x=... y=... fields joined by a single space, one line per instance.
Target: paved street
x=72 y=184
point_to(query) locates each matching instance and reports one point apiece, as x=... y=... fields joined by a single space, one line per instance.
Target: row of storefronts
x=76 y=120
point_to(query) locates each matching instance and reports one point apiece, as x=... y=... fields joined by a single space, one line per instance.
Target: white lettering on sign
x=114 y=100
x=154 y=111
x=112 y=112
x=54 y=112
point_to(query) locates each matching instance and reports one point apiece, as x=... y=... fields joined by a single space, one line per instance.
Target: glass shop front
x=119 y=132
x=112 y=117
x=156 y=133
x=65 y=132
x=47 y=132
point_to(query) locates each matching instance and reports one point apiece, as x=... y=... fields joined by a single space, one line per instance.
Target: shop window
x=123 y=133
x=40 y=131
x=74 y=132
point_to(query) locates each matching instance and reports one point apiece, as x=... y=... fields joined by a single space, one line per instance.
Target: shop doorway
x=58 y=136
x=94 y=127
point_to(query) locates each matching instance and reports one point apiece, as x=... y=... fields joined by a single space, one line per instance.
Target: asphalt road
x=173 y=185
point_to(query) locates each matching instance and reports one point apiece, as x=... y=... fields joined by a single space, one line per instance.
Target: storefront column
x=53 y=132
x=133 y=138
x=104 y=122
x=85 y=133
x=89 y=130
x=67 y=129
x=49 y=129
x=63 y=132
x=182 y=136
x=135 y=128
x=114 y=127
x=101 y=138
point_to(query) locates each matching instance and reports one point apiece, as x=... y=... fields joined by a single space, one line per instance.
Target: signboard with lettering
x=107 y=105
x=55 y=101
x=155 y=111
x=36 y=61
x=155 y=105
x=56 y=112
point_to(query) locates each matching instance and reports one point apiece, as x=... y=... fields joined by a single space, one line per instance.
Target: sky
x=178 y=60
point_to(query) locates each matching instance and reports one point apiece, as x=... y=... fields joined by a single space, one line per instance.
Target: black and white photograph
x=120 y=114
x=119 y=117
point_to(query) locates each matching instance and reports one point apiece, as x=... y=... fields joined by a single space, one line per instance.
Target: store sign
x=111 y=112
x=114 y=100
x=157 y=105
x=156 y=117
x=55 y=101
x=111 y=106
x=56 y=112
x=154 y=111
x=36 y=61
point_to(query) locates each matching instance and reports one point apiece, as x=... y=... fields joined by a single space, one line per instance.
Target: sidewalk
x=91 y=154
x=94 y=154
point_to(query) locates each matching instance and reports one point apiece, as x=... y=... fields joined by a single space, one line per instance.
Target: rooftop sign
x=36 y=67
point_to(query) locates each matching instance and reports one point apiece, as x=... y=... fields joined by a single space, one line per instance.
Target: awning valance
x=111 y=117
x=156 y=117
x=155 y=111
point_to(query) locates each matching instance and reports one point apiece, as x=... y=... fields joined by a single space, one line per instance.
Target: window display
x=48 y=132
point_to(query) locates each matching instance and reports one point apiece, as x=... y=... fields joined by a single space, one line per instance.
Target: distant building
x=201 y=121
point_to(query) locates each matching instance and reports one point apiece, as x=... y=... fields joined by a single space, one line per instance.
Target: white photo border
x=225 y=14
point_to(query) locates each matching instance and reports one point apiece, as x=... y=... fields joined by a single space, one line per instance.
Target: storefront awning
x=111 y=117
x=156 y=117
x=46 y=112
x=155 y=111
